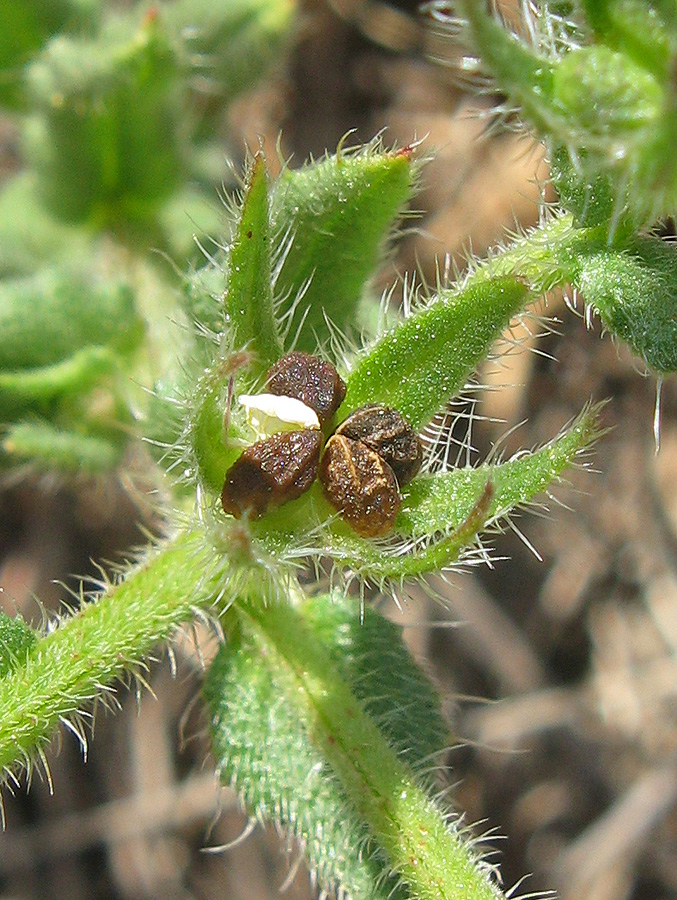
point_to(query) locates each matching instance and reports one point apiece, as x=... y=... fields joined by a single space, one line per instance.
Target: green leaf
x=439 y=503
x=640 y=29
x=411 y=558
x=335 y=215
x=53 y=449
x=591 y=202
x=108 y=150
x=420 y=363
x=249 y=294
x=311 y=710
x=371 y=654
x=37 y=390
x=238 y=303
x=602 y=93
x=380 y=786
x=264 y=752
x=212 y=456
x=610 y=103
x=81 y=658
x=322 y=204
x=524 y=75
x=442 y=513
x=29 y=236
x=634 y=290
x=226 y=45
x=47 y=317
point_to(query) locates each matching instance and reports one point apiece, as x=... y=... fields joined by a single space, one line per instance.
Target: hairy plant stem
x=80 y=659
x=546 y=258
x=425 y=850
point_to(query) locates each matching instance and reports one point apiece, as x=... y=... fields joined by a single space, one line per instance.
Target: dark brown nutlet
x=309 y=379
x=361 y=486
x=272 y=472
x=387 y=432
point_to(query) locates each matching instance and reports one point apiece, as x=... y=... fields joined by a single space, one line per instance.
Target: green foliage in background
x=319 y=717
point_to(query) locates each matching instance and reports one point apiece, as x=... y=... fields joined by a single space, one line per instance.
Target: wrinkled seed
x=310 y=379
x=360 y=485
x=271 y=472
x=388 y=433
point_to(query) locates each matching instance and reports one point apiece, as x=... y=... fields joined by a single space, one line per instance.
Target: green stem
x=546 y=258
x=423 y=848
x=73 y=665
x=525 y=76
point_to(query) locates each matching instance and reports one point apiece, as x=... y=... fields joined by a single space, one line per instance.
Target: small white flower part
x=269 y=414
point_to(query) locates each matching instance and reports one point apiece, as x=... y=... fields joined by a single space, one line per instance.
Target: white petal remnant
x=269 y=414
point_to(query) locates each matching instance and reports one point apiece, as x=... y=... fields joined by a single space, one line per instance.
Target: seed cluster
x=365 y=461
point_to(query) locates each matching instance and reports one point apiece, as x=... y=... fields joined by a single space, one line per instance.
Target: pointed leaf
x=441 y=502
x=423 y=361
x=441 y=516
x=249 y=296
x=336 y=214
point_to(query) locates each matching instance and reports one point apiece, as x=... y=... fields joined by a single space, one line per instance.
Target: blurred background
x=557 y=665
